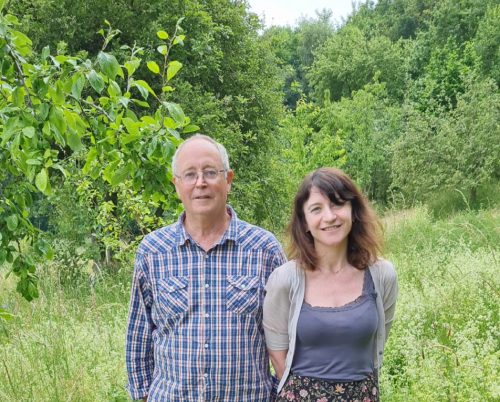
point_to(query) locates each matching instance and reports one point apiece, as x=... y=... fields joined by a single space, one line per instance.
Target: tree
x=64 y=116
x=450 y=150
x=348 y=61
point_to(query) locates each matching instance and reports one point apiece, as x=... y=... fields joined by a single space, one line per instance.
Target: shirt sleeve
x=277 y=256
x=276 y=311
x=391 y=290
x=139 y=345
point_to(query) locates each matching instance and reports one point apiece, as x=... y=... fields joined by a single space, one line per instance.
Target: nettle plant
x=91 y=122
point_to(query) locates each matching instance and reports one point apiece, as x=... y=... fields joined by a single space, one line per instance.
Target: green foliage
x=349 y=60
x=487 y=42
x=64 y=116
x=450 y=150
x=446 y=329
x=68 y=344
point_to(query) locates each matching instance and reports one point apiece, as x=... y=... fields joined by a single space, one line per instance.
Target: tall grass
x=444 y=345
x=68 y=345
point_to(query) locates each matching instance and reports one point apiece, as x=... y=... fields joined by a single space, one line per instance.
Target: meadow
x=68 y=344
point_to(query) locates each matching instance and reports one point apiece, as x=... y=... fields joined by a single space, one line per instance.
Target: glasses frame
x=203 y=177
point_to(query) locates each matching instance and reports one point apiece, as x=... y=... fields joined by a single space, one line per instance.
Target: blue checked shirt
x=195 y=319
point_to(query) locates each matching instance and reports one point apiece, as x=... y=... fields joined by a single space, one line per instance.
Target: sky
x=287 y=12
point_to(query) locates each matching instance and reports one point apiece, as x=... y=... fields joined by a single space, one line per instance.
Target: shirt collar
x=231 y=233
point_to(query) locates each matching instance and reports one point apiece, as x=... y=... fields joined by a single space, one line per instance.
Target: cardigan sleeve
x=391 y=290
x=276 y=309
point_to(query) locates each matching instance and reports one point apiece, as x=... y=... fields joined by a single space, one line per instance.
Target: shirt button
x=207 y=315
x=205 y=375
x=207 y=285
x=206 y=346
x=206 y=255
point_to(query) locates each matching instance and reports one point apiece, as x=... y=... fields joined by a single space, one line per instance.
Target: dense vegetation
x=68 y=344
x=95 y=96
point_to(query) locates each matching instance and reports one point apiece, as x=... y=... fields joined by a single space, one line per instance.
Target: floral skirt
x=308 y=389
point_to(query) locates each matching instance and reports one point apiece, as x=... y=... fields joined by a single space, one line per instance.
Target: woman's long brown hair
x=365 y=238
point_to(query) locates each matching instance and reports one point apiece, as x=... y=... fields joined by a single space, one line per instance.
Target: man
x=195 y=320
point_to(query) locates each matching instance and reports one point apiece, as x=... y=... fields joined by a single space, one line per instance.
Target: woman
x=327 y=312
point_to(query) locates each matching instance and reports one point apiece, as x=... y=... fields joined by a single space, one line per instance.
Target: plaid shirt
x=195 y=319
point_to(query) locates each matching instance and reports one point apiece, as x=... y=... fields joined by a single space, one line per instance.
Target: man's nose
x=200 y=179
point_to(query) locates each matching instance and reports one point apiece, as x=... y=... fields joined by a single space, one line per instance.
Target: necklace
x=333 y=272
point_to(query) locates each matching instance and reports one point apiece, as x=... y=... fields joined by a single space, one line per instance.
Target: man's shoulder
x=252 y=236
x=160 y=240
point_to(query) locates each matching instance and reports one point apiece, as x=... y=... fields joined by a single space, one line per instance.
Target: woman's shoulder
x=285 y=274
x=383 y=269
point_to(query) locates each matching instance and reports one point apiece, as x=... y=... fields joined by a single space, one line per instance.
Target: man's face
x=204 y=197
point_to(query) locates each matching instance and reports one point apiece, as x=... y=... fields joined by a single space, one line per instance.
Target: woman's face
x=328 y=223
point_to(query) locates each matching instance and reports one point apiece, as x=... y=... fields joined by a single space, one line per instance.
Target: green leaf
x=108 y=172
x=190 y=129
x=162 y=49
x=45 y=53
x=21 y=43
x=74 y=141
x=162 y=35
x=29 y=132
x=132 y=65
x=77 y=87
x=12 y=222
x=167 y=88
x=168 y=122
x=172 y=69
x=133 y=131
x=175 y=111
x=143 y=88
x=10 y=128
x=140 y=103
x=153 y=66
x=42 y=180
x=114 y=89
x=5 y=315
x=34 y=162
x=120 y=175
x=96 y=81
x=179 y=39
x=57 y=120
x=109 y=65
x=91 y=157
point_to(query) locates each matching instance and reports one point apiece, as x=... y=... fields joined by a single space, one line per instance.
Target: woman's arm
x=278 y=358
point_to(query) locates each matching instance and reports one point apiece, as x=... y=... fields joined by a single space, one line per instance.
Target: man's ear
x=175 y=182
x=229 y=178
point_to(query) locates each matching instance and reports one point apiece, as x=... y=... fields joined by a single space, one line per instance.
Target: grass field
x=444 y=346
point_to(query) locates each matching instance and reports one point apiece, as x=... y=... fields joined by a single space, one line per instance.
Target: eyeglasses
x=208 y=175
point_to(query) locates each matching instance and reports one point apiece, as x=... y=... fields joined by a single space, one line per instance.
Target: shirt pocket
x=243 y=294
x=173 y=297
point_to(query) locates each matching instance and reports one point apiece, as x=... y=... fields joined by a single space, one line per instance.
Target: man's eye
x=190 y=175
x=210 y=174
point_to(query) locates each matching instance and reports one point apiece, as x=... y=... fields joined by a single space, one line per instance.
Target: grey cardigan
x=284 y=297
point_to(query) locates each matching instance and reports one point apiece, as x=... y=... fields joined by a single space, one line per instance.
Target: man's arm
x=139 y=345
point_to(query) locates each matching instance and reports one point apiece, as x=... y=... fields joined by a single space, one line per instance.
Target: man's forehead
x=202 y=149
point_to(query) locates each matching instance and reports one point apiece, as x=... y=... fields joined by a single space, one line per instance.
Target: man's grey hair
x=222 y=151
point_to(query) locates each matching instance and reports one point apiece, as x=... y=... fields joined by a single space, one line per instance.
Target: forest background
x=95 y=96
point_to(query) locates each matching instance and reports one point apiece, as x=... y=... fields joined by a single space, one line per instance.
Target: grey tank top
x=336 y=343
